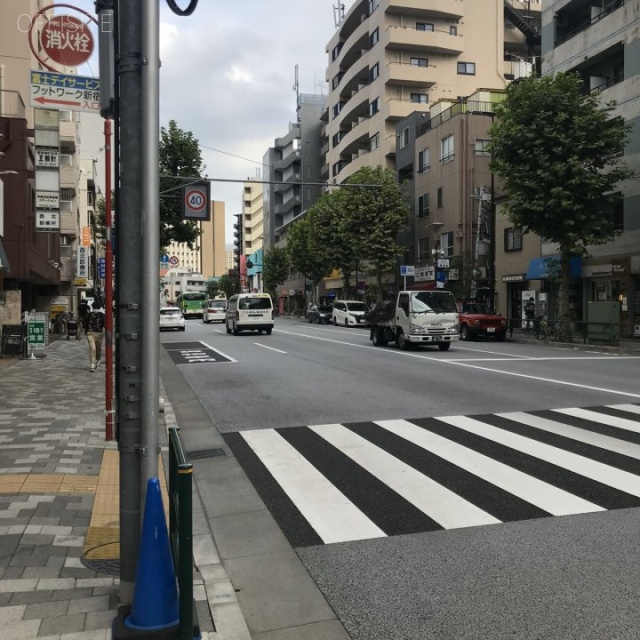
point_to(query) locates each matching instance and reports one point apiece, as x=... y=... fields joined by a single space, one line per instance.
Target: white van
x=250 y=312
x=349 y=313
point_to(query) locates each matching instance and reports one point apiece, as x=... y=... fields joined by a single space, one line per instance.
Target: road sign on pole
x=50 y=90
x=67 y=40
x=195 y=201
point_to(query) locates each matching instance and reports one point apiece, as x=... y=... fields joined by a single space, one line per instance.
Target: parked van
x=250 y=312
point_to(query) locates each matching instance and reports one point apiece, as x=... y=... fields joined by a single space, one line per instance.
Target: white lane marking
x=218 y=351
x=574 y=433
x=264 y=346
x=594 y=416
x=616 y=478
x=441 y=504
x=468 y=363
x=328 y=511
x=537 y=492
x=631 y=408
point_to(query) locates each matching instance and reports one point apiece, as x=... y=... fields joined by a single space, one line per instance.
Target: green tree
x=304 y=253
x=373 y=218
x=224 y=284
x=275 y=269
x=180 y=158
x=554 y=146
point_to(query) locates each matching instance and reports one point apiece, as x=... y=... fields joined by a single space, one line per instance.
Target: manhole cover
x=206 y=453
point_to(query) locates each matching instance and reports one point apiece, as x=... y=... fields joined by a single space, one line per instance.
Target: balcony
x=398 y=109
x=68 y=226
x=410 y=39
x=68 y=135
x=68 y=177
x=287 y=160
x=409 y=75
x=448 y=9
x=11 y=105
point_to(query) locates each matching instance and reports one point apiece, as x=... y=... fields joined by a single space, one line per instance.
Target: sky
x=227 y=76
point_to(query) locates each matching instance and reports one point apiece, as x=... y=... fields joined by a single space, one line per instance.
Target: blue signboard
x=102 y=268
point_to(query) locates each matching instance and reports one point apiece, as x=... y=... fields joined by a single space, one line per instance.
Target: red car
x=476 y=320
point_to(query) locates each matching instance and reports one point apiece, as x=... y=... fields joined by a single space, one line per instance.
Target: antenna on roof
x=296 y=88
x=338 y=13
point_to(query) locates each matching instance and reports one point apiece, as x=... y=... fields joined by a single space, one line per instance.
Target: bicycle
x=543 y=329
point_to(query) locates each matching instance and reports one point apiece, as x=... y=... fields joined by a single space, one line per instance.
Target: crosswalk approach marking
x=328 y=511
x=616 y=478
x=594 y=416
x=439 y=503
x=551 y=499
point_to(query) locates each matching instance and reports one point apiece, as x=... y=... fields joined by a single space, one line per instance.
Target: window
x=423 y=161
x=374 y=106
x=337 y=108
x=512 y=239
x=446 y=244
x=419 y=62
x=481 y=147
x=373 y=5
x=336 y=51
x=374 y=37
x=420 y=98
x=466 y=68
x=337 y=167
x=439 y=198
x=453 y=30
x=336 y=80
x=403 y=138
x=423 y=249
x=424 y=26
x=374 y=142
x=423 y=205
x=446 y=149
x=374 y=72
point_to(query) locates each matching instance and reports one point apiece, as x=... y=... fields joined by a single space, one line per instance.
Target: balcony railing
x=11 y=104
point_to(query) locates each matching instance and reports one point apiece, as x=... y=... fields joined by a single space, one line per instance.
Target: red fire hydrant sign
x=67 y=40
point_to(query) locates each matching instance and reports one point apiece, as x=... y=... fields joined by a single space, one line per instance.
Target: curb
x=224 y=607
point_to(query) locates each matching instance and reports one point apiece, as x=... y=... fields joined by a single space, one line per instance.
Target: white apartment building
x=389 y=58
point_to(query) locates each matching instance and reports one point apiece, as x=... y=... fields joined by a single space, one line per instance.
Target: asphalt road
x=418 y=510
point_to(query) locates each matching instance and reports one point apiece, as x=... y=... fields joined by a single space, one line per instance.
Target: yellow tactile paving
x=45 y=484
x=103 y=536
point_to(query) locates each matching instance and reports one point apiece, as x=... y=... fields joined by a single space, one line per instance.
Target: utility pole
x=130 y=248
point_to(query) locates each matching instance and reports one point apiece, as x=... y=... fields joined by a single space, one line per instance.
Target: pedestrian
x=83 y=311
x=65 y=319
x=530 y=313
x=72 y=326
x=94 y=328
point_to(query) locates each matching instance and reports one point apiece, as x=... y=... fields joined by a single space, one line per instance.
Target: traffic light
x=237 y=248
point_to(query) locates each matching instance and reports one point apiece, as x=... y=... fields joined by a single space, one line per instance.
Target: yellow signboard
x=80 y=282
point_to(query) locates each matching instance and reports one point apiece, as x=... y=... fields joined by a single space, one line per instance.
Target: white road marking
x=594 y=416
x=439 y=503
x=631 y=408
x=218 y=350
x=574 y=433
x=328 y=511
x=537 y=492
x=264 y=346
x=616 y=478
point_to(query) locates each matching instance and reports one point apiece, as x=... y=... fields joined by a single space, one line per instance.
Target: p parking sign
x=195 y=201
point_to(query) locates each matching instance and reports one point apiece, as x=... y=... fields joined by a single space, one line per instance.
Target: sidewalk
x=59 y=529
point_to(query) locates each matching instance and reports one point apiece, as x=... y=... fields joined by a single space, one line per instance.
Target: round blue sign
x=164 y=257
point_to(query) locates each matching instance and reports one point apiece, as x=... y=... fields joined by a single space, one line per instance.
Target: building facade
x=389 y=58
x=601 y=42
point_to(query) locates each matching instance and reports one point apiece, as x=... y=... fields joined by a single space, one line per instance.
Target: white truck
x=416 y=317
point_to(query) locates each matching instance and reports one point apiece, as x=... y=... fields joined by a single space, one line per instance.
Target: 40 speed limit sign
x=195 y=201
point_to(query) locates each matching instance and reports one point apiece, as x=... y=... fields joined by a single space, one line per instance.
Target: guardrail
x=181 y=532
x=588 y=332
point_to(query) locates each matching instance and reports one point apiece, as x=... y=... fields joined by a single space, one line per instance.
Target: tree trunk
x=563 y=326
x=379 y=296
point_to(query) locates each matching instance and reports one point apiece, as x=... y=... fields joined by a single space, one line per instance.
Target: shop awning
x=4 y=261
x=541 y=268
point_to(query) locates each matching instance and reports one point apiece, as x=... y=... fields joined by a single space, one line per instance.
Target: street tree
x=180 y=158
x=328 y=233
x=305 y=254
x=555 y=146
x=275 y=269
x=225 y=285
x=373 y=218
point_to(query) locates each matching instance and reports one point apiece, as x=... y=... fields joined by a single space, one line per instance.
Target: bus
x=190 y=303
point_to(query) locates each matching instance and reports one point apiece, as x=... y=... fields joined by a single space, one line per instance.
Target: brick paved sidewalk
x=51 y=450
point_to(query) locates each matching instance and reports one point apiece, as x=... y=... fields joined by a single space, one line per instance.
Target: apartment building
x=253 y=231
x=389 y=58
x=601 y=42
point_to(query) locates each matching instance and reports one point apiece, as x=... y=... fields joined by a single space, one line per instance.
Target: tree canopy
x=180 y=157
x=275 y=269
x=555 y=147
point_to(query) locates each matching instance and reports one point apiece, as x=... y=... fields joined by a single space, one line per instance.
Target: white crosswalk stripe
x=342 y=482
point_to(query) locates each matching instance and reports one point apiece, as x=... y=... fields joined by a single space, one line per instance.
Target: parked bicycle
x=544 y=329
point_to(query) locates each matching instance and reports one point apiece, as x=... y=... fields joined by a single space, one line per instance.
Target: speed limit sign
x=195 y=201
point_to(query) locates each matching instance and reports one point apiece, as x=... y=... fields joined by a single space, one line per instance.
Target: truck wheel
x=227 y=325
x=444 y=346
x=403 y=343
x=377 y=337
x=465 y=334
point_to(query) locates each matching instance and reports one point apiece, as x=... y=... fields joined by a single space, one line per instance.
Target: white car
x=171 y=318
x=214 y=311
x=350 y=313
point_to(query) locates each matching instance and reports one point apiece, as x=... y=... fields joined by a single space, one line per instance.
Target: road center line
x=264 y=346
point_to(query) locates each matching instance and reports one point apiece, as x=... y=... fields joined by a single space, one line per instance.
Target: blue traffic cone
x=155 y=593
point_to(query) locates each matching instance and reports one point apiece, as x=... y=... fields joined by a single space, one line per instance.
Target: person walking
x=83 y=311
x=94 y=328
x=530 y=314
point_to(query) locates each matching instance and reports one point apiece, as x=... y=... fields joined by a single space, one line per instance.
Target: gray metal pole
x=129 y=238
x=151 y=239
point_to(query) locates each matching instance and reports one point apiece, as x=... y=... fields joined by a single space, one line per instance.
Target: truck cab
x=416 y=317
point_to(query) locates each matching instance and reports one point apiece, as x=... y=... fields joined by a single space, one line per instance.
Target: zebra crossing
x=345 y=482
